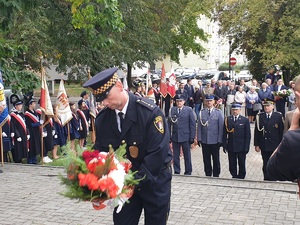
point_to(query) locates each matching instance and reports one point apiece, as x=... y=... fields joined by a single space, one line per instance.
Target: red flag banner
x=45 y=100
x=62 y=101
x=163 y=82
x=172 y=83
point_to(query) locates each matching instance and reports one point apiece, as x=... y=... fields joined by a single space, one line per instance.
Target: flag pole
x=42 y=116
x=92 y=118
x=1 y=146
x=69 y=135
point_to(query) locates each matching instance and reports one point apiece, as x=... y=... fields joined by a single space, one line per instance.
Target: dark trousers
x=265 y=157
x=211 y=151
x=167 y=101
x=280 y=107
x=237 y=158
x=153 y=197
x=186 y=154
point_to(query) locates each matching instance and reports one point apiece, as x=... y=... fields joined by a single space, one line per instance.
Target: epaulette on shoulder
x=202 y=109
x=218 y=109
x=147 y=103
x=278 y=112
x=260 y=113
x=102 y=110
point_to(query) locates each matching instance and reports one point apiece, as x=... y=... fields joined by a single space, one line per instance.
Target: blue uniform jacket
x=210 y=128
x=182 y=125
x=237 y=134
x=145 y=132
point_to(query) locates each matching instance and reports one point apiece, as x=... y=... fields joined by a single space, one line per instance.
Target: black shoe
x=1 y=171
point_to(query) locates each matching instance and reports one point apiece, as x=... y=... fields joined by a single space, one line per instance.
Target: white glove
x=12 y=134
x=55 y=136
x=28 y=136
x=19 y=139
x=41 y=121
x=4 y=134
x=53 y=132
x=44 y=134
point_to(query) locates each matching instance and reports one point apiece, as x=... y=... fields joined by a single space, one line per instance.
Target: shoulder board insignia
x=146 y=103
x=101 y=111
x=159 y=124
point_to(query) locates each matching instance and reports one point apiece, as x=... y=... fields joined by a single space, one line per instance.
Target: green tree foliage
x=98 y=34
x=267 y=31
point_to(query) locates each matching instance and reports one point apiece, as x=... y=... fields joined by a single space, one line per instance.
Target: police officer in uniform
x=140 y=124
x=182 y=125
x=236 y=141
x=268 y=132
x=210 y=136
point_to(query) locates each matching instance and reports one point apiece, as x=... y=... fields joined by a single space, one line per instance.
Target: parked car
x=188 y=74
x=243 y=74
x=142 y=79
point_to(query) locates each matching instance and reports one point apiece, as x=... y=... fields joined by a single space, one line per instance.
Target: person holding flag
x=19 y=132
x=33 y=123
x=63 y=107
x=164 y=91
x=4 y=117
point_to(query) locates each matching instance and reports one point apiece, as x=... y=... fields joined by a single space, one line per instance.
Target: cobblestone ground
x=30 y=195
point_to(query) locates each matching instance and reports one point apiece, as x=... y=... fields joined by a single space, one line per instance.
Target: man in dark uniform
x=141 y=125
x=236 y=141
x=182 y=125
x=268 y=132
x=210 y=136
x=182 y=92
x=284 y=163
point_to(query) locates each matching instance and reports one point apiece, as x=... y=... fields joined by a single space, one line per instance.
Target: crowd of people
x=223 y=112
x=29 y=133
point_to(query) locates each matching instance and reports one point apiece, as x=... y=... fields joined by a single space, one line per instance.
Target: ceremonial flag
x=45 y=100
x=3 y=106
x=92 y=106
x=172 y=83
x=62 y=102
x=163 y=82
x=125 y=84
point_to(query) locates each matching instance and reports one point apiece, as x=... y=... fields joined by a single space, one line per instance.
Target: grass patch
x=73 y=90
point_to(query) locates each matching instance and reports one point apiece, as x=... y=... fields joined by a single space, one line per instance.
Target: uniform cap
x=15 y=100
x=268 y=101
x=180 y=97
x=236 y=105
x=209 y=97
x=80 y=102
x=101 y=83
x=29 y=98
x=83 y=94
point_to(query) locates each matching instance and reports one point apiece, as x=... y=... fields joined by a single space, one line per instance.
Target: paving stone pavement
x=30 y=195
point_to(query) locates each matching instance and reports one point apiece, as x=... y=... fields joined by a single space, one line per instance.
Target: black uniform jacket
x=144 y=131
x=285 y=163
x=236 y=135
x=268 y=135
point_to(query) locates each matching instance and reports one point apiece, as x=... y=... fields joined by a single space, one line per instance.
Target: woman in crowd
x=83 y=124
x=74 y=126
x=251 y=99
x=240 y=97
x=60 y=134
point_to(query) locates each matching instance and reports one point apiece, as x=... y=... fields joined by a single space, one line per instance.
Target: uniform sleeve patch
x=159 y=124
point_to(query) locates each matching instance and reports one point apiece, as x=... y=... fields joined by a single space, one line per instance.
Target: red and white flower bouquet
x=281 y=94
x=103 y=178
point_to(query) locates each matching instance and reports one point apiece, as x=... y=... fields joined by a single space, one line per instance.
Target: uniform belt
x=167 y=165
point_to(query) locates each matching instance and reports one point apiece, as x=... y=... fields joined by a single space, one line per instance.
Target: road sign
x=232 y=61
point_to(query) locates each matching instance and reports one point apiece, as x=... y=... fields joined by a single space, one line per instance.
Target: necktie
x=121 y=119
x=179 y=110
x=268 y=116
x=209 y=112
x=235 y=118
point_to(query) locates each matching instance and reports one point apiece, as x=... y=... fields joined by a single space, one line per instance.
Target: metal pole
x=229 y=59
